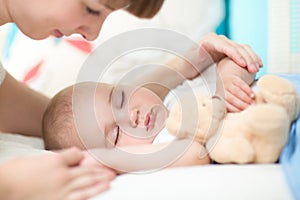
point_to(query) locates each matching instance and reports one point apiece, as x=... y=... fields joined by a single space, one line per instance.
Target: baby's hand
x=238 y=94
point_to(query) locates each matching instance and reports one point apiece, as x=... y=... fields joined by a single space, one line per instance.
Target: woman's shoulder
x=2 y=73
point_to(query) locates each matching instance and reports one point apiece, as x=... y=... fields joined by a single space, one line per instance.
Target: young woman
x=21 y=108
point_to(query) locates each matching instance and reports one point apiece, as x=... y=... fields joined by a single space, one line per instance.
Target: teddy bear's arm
x=230 y=150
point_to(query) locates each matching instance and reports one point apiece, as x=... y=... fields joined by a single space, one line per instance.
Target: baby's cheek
x=127 y=140
x=89 y=161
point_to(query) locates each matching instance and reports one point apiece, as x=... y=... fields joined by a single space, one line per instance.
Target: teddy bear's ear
x=274 y=89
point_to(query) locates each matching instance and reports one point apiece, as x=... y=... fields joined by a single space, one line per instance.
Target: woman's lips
x=58 y=34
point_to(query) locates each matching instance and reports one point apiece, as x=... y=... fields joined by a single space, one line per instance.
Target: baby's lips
x=147 y=120
x=150 y=121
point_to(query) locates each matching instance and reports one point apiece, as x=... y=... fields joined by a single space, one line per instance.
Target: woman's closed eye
x=92 y=12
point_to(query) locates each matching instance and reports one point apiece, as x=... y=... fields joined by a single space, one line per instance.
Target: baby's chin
x=161 y=114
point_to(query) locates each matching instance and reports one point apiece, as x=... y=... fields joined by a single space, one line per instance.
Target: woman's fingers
x=88 y=182
x=255 y=57
x=87 y=193
x=83 y=171
x=245 y=53
x=219 y=46
x=252 y=60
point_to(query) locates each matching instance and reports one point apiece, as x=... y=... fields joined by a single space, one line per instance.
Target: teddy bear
x=254 y=135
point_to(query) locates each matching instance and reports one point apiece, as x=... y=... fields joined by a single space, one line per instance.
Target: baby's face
x=128 y=115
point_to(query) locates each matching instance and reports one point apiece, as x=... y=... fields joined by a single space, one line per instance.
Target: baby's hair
x=59 y=130
x=139 y=8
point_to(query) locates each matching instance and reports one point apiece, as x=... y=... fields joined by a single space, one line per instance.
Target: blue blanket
x=290 y=156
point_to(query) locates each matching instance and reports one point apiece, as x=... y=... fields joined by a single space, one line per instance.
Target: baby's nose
x=134 y=118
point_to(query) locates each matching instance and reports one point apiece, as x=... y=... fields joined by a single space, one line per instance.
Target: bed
x=44 y=72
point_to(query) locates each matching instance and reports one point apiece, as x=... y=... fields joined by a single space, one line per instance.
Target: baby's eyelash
x=122 y=99
x=117 y=136
x=92 y=12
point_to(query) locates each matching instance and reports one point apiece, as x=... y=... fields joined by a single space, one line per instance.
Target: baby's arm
x=151 y=157
x=233 y=84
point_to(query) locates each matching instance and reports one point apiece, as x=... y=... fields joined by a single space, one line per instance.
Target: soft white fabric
x=14 y=145
x=163 y=136
x=226 y=182
x=232 y=182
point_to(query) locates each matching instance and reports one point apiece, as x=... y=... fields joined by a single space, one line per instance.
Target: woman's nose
x=134 y=116
x=89 y=34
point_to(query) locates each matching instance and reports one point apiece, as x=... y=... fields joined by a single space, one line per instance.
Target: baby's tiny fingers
x=238 y=102
x=244 y=92
x=231 y=108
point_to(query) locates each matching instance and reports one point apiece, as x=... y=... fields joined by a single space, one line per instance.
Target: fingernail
x=253 y=67
x=257 y=66
x=244 y=63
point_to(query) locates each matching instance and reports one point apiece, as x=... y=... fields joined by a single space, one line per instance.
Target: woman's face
x=39 y=19
x=129 y=116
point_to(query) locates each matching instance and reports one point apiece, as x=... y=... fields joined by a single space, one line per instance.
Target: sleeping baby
x=98 y=115
x=124 y=115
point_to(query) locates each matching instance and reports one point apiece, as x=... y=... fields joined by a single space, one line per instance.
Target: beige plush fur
x=255 y=135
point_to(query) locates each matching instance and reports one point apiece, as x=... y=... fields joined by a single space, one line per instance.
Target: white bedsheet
x=201 y=182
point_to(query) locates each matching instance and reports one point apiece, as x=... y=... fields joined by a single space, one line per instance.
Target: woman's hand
x=219 y=46
x=212 y=49
x=53 y=176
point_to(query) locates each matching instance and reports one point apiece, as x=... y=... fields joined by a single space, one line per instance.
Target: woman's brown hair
x=139 y=8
